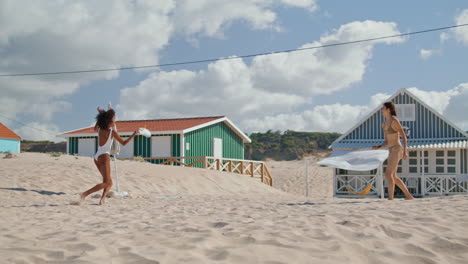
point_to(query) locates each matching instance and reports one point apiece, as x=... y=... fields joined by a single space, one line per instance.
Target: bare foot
x=409 y=198
x=102 y=201
x=82 y=198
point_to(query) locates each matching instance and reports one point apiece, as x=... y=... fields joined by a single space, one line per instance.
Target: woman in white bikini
x=393 y=130
x=105 y=122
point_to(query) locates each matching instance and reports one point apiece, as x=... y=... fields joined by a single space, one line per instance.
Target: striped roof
x=412 y=144
x=428 y=127
x=5 y=132
x=156 y=125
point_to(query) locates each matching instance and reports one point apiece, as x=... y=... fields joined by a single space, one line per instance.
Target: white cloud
x=225 y=87
x=456 y=107
x=39 y=131
x=211 y=17
x=45 y=36
x=461 y=33
x=271 y=85
x=444 y=36
x=311 y=5
x=59 y=36
x=325 y=118
x=426 y=54
x=323 y=71
x=340 y=117
x=438 y=100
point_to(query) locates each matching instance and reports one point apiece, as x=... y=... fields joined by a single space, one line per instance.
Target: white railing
x=252 y=168
x=356 y=184
x=419 y=185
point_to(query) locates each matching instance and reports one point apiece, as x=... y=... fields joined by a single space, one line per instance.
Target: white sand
x=215 y=218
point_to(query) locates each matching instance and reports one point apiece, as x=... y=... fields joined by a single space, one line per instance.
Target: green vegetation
x=32 y=141
x=289 y=145
x=8 y=155
x=56 y=154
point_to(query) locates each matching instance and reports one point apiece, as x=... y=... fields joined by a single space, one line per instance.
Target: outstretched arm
x=120 y=140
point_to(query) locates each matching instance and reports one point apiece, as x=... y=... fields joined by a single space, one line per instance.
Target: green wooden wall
x=201 y=142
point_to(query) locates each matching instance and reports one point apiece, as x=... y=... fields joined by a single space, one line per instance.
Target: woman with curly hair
x=105 y=122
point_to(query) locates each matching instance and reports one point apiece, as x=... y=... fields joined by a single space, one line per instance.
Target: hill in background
x=290 y=145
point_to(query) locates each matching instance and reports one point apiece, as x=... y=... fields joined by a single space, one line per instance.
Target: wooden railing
x=247 y=167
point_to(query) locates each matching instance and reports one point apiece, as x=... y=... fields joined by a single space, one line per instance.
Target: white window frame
x=434 y=165
x=418 y=162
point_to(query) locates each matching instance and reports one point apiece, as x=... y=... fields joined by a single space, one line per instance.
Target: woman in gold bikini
x=393 y=131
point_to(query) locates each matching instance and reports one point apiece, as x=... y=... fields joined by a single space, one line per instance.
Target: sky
x=326 y=90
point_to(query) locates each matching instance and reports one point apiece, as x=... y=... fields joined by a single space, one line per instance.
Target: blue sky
x=352 y=79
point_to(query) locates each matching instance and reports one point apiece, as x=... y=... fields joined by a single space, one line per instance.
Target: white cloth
x=364 y=160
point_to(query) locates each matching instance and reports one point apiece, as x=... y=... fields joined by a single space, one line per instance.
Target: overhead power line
x=232 y=57
x=49 y=132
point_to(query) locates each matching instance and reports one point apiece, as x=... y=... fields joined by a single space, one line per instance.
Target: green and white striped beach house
x=213 y=136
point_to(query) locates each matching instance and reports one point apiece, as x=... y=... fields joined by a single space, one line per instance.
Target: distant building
x=9 y=141
x=438 y=150
x=182 y=137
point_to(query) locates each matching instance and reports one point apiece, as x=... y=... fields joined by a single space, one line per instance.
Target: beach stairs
x=252 y=168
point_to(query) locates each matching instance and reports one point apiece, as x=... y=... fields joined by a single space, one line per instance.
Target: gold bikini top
x=390 y=129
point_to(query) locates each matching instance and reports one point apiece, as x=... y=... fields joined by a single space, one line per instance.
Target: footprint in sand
x=394 y=233
x=444 y=245
x=418 y=250
x=219 y=224
x=128 y=257
x=217 y=254
x=81 y=247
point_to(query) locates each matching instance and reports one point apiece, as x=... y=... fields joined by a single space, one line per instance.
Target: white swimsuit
x=105 y=149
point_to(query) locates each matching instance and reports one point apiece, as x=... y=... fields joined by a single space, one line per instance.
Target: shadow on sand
x=347 y=202
x=37 y=191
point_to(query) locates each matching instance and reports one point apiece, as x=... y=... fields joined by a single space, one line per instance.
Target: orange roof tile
x=157 y=125
x=5 y=132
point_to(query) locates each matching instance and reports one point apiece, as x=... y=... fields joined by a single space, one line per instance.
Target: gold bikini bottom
x=396 y=150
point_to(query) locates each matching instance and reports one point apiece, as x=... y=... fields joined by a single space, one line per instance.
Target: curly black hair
x=104 y=118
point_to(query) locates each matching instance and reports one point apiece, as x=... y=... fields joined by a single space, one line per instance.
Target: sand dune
x=191 y=215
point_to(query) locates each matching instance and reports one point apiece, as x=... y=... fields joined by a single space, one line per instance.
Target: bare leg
x=107 y=180
x=391 y=184
x=403 y=187
x=101 y=165
x=392 y=165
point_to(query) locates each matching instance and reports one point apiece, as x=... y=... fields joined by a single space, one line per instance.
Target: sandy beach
x=188 y=215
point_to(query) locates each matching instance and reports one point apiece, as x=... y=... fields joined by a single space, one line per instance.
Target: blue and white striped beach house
x=437 y=162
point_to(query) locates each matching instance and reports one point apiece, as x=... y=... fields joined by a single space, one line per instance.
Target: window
x=406 y=112
x=415 y=160
x=446 y=161
x=451 y=161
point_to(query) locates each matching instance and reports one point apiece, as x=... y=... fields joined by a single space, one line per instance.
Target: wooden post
x=423 y=177
x=242 y=167
x=251 y=169
x=217 y=164
x=262 y=170
x=205 y=162
x=230 y=165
